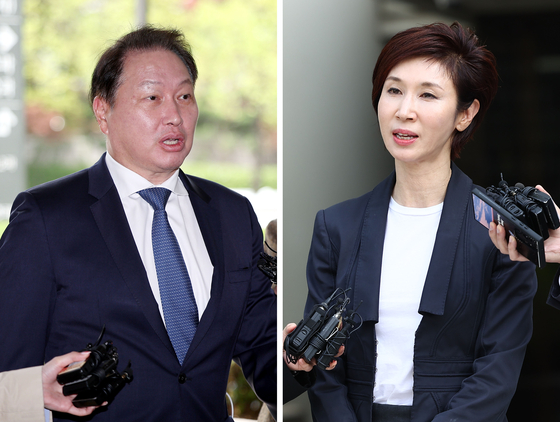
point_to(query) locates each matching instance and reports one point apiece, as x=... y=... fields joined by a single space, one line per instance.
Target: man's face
x=151 y=125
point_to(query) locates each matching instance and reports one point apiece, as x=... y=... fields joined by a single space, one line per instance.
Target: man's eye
x=186 y=96
x=152 y=97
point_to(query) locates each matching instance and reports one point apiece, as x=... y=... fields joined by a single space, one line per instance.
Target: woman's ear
x=467 y=116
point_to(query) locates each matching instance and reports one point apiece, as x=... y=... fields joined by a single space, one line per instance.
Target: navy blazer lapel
x=111 y=219
x=370 y=255
x=452 y=219
x=209 y=221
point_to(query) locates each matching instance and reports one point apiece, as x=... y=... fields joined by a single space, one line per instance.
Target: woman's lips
x=404 y=137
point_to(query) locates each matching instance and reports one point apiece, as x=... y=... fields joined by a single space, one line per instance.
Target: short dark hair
x=106 y=76
x=472 y=68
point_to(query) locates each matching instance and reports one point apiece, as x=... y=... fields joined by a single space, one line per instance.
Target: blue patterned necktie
x=177 y=298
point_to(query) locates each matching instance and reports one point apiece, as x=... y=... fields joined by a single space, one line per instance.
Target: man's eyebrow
x=149 y=82
x=426 y=84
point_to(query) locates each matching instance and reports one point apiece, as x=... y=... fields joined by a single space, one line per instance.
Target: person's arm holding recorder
x=24 y=393
x=551 y=245
x=52 y=390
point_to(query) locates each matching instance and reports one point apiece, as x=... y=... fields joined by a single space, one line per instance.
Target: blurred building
x=12 y=118
x=332 y=150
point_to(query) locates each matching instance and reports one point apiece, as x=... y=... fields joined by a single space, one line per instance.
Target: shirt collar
x=128 y=182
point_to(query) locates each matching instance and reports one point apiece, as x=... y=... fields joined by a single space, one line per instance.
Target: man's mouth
x=171 y=141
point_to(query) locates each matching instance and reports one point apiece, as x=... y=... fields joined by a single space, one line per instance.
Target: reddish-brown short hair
x=471 y=66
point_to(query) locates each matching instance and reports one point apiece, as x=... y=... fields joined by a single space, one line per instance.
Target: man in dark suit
x=175 y=283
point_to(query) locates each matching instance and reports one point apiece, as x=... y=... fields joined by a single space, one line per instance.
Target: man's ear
x=467 y=116
x=101 y=110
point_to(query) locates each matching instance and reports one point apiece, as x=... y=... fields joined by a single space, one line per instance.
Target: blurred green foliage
x=228 y=174
x=246 y=404
x=233 y=41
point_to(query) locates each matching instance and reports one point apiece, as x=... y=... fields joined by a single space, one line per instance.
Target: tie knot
x=156 y=197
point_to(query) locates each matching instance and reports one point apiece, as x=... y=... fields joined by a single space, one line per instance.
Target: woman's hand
x=52 y=391
x=301 y=364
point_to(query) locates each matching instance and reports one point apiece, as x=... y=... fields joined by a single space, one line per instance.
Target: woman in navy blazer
x=463 y=310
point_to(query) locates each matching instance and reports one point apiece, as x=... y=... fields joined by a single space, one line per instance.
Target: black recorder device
x=525 y=212
x=322 y=332
x=96 y=379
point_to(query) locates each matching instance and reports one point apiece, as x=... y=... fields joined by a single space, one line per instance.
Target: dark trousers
x=390 y=413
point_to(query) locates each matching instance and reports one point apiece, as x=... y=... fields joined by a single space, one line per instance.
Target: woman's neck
x=421 y=186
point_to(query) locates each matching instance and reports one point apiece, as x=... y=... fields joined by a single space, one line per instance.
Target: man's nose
x=172 y=114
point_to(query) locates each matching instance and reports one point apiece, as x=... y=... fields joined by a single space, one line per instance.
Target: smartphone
x=529 y=243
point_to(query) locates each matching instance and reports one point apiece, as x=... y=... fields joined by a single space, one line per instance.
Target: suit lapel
x=209 y=221
x=111 y=220
x=371 y=250
x=452 y=219
x=370 y=253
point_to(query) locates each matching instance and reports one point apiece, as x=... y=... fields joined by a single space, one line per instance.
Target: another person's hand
x=52 y=390
x=498 y=237
x=301 y=364
x=551 y=245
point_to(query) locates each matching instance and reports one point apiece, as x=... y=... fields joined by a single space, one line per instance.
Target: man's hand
x=551 y=245
x=52 y=390
x=301 y=364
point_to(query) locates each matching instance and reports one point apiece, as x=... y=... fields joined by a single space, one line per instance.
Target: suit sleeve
x=21 y=395
x=27 y=286
x=503 y=336
x=256 y=344
x=554 y=295
x=328 y=396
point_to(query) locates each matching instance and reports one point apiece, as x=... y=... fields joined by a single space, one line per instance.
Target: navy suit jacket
x=554 y=295
x=476 y=310
x=69 y=265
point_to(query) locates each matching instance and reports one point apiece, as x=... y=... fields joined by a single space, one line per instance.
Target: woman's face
x=418 y=112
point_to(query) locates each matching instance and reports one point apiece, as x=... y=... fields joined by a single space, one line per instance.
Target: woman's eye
x=428 y=95
x=393 y=91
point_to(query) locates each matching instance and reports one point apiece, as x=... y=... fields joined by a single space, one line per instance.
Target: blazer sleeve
x=328 y=396
x=295 y=384
x=504 y=333
x=27 y=285
x=21 y=395
x=255 y=350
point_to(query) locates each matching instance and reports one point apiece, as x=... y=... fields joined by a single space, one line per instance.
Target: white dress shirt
x=182 y=219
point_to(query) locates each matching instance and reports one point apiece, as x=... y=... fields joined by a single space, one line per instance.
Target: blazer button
x=182 y=378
